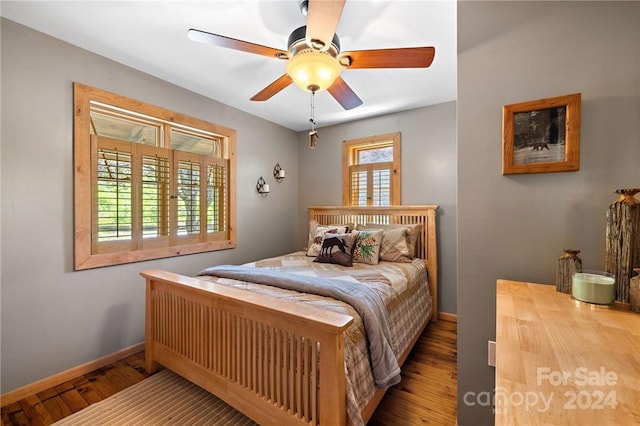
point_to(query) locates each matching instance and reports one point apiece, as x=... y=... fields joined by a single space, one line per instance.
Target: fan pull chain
x=313 y=135
x=311 y=120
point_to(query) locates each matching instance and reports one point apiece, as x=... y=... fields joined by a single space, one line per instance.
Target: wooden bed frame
x=276 y=361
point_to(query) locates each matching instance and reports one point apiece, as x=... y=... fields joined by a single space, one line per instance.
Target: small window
x=117 y=125
x=183 y=140
x=368 y=155
x=371 y=171
x=149 y=183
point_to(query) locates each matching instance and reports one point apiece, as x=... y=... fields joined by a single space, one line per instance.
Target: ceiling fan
x=314 y=57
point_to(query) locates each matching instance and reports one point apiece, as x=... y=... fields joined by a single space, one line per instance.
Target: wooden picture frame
x=541 y=136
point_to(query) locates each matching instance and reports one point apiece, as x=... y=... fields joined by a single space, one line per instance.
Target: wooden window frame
x=349 y=150
x=84 y=256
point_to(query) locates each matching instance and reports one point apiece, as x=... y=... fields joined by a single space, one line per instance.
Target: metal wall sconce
x=278 y=173
x=262 y=187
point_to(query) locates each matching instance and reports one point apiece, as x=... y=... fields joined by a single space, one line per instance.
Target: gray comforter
x=364 y=300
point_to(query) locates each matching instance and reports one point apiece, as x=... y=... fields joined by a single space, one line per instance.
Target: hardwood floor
x=426 y=394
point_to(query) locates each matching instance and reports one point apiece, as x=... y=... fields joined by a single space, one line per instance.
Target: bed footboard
x=273 y=360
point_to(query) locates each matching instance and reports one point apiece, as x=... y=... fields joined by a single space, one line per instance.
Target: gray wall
x=516 y=226
x=52 y=317
x=428 y=165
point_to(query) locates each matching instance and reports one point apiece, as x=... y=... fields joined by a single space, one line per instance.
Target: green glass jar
x=594 y=287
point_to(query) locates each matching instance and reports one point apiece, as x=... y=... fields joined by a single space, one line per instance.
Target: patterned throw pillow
x=395 y=245
x=415 y=230
x=315 y=242
x=337 y=249
x=368 y=247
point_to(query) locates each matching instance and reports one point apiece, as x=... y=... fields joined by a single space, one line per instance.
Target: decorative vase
x=623 y=240
x=634 y=291
x=568 y=264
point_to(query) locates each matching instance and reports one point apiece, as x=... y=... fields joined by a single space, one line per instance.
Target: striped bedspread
x=402 y=286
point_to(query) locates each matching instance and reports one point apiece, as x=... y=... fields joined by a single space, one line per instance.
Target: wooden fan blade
x=273 y=88
x=232 y=43
x=345 y=96
x=322 y=20
x=410 y=57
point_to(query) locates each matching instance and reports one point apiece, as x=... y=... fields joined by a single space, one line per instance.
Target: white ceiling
x=151 y=36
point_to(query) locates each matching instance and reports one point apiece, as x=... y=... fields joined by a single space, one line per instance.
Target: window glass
x=188 y=198
x=375 y=155
x=183 y=140
x=113 y=195
x=359 y=188
x=126 y=129
x=155 y=196
x=216 y=198
x=381 y=187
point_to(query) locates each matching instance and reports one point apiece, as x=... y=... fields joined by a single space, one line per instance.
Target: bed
x=282 y=356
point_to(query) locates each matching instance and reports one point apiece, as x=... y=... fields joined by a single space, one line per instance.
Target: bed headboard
x=426 y=247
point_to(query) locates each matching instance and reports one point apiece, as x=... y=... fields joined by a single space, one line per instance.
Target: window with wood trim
x=149 y=183
x=371 y=171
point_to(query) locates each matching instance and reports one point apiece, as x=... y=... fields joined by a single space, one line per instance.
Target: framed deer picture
x=541 y=136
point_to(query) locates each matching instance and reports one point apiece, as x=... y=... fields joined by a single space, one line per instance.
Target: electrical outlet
x=492 y=353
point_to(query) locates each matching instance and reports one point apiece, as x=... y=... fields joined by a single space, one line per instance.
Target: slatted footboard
x=273 y=360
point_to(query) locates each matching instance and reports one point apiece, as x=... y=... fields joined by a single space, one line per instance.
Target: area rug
x=162 y=399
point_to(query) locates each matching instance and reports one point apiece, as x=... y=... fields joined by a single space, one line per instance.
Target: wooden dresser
x=564 y=362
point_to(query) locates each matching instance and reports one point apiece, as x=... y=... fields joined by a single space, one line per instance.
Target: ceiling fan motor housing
x=297 y=43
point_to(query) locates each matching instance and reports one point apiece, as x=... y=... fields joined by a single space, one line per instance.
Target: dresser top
x=562 y=361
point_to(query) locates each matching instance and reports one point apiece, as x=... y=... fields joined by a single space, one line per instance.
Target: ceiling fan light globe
x=311 y=70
